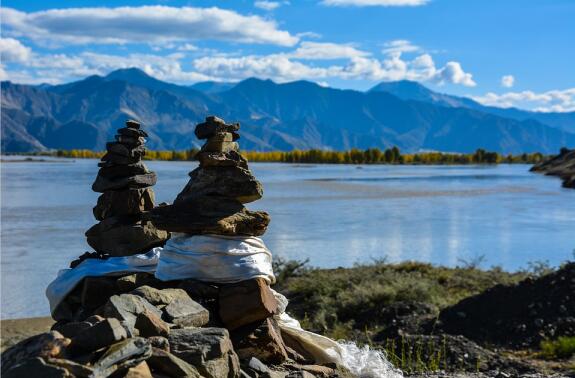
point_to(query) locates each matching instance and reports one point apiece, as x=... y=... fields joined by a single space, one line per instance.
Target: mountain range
x=296 y=115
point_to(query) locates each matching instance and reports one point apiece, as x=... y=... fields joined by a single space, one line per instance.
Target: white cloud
x=188 y=47
x=507 y=81
x=454 y=74
x=373 y=3
x=11 y=50
x=326 y=51
x=144 y=24
x=550 y=101
x=267 y=5
x=399 y=45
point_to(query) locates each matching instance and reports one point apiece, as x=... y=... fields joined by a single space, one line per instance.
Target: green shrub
x=563 y=347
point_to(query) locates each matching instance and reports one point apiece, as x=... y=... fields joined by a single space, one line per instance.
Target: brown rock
x=149 y=324
x=119 y=236
x=246 y=302
x=220 y=146
x=159 y=342
x=110 y=159
x=209 y=215
x=228 y=182
x=214 y=125
x=104 y=333
x=139 y=371
x=170 y=365
x=45 y=345
x=261 y=340
x=126 y=151
x=221 y=159
x=103 y=184
x=121 y=171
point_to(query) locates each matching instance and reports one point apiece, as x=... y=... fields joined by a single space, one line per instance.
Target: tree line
x=354 y=156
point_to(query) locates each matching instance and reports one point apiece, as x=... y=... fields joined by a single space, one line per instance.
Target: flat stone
x=246 y=302
x=131 y=132
x=103 y=184
x=125 y=150
x=117 y=236
x=262 y=340
x=133 y=124
x=210 y=350
x=35 y=367
x=209 y=215
x=44 y=345
x=222 y=159
x=185 y=312
x=213 y=125
x=170 y=365
x=70 y=329
x=110 y=159
x=126 y=307
x=160 y=296
x=141 y=370
x=149 y=324
x=122 y=356
x=104 y=333
x=130 y=141
x=121 y=171
x=220 y=146
x=124 y=202
x=228 y=182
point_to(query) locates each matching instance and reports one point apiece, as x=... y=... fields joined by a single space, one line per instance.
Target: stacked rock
x=212 y=201
x=125 y=183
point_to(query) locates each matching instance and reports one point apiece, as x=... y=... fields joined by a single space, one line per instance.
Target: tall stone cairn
x=212 y=201
x=126 y=186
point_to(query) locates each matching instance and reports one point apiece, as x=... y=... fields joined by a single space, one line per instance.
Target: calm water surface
x=335 y=215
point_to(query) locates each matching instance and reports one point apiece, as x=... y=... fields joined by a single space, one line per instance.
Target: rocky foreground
x=562 y=166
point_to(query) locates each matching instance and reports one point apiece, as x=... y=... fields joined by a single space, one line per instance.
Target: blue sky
x=503 y=53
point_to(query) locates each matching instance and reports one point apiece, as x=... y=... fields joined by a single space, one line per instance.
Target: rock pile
x=136 y=326
x=126 y=186
x=562 y=165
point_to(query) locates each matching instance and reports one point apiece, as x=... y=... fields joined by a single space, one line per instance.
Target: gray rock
x=35 y=367
x=185 y=312
x=214 y=125
x=220 y=146
x=159 y=297
x=262 y=340
x=44 y=345
x=130 y=141
x=126 y=307
x=104 y=333
x=119 y=236
x=103 y=184
x=121 y=171
x=221 y=159
x=133 y=124
x=126 y=151
x=132 y=132
x=228 y=182
x=122 y=356
x=208 y=349
x=160 y=342
x=110 y=159
x=70 y=329
x=170 y=365
x=209 y=215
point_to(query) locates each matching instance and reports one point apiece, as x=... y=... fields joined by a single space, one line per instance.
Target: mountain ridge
x=295 y=115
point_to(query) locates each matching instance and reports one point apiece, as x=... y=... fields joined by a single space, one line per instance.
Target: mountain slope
x=300 y=114
x=410 y=90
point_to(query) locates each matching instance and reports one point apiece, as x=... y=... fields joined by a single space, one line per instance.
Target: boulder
x=149 y=324
x=214 y=125
x=246 y=302
x=104 y=333
x=44 y=345
x=160 y=296
x=209 y=215
x=122 y=236
x=262 y=340
x=221 y=159
x=185 y=312
x=210 y=350
x=228 y=182
x=122 y=356
x=103 y=184
x=170 y=365
x=126 y=307
x=35 y=367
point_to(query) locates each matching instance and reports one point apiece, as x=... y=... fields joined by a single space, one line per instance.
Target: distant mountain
x=411 y=90
x=86 y=113
x=212 y=86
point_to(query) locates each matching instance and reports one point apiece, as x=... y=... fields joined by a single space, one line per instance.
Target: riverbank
x=413 y=311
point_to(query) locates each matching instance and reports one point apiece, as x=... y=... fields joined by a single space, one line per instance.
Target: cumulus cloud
x=550 y=101
x=454 y=74
x=12 y=50
x=267 y=5
x=144 y=24
x=507 y=81
x=326 y=51
x=373 y=3
x=399 y=45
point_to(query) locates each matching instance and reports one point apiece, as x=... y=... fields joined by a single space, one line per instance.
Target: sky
x=499 y=52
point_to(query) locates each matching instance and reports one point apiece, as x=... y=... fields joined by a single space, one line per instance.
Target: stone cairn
x=140 y=327
x=126 y=186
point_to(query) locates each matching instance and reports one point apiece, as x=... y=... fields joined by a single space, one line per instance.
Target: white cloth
x=68 y=278
x=215 y=258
